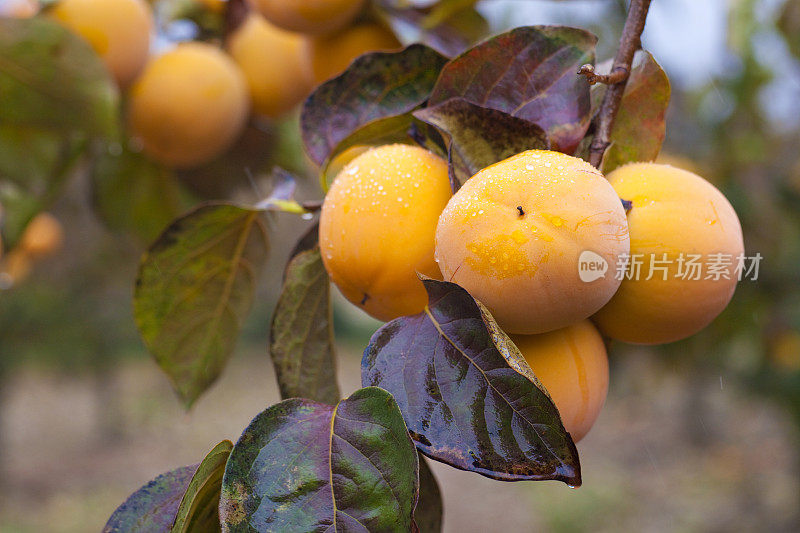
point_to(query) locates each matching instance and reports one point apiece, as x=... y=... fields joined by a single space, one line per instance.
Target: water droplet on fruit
x=519 y=237
x=529 y=167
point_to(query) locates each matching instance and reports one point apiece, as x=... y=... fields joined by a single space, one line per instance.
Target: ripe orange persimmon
x=309 y=16
x=273 y=62
x=118 y=30
x=677 y=218
x=515 y=234
x=189 y=105
x=377 y=228
x=572 y=365
x=42 y=236
x=330 y=55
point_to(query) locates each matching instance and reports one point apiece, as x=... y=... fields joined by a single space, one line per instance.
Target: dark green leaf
x=530 y=73
x=51 y=78
x=467 y=395
x=430 y=510
x=301 y=338
x=152 y=508
x=480 y=136
x=131 y=193
x=34 y=165
x=640 y=126
x=376 y=86
x=305 y=466
x=199 y=509
x=194 y=290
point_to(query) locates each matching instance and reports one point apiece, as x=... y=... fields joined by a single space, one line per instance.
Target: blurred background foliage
x=700 y=435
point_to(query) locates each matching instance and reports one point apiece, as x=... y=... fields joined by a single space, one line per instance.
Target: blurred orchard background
x=700 y=435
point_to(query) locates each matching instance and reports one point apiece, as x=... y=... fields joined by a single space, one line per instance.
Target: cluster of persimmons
x=514 y=235
x=189 y=103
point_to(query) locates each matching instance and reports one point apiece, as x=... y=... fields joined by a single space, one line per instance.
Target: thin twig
x=615 y=76
x=617 y=79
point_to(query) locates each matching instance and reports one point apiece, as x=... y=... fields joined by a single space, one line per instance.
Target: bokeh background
x=700 y=435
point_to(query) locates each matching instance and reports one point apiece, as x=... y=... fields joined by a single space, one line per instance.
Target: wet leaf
x=131 y=193
x=375 y=87
x=301 y=338
x=307 y=466
x=640 y=126
x=51 y=78
x=34 y=166
x=199 y=508
x=152 y=508
x=194 y=290
x=467 y=395
x=480 y=136
x=430 y=510
x=530 y=73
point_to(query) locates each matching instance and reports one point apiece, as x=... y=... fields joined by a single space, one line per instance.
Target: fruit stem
x=616 y=79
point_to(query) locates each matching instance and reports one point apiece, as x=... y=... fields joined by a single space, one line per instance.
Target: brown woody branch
x=616 y=79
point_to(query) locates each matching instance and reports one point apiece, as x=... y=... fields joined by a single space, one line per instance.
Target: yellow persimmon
x=330 y=55
x=572 y=365
x=273 y=62
x=377 y=228
x=515 y=234
x=42 y=236
x=118 y=30
x=681 y=228
x=189 y=105
x=309 y=16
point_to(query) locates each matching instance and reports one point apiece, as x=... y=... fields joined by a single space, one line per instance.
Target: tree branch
x=616 y=79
